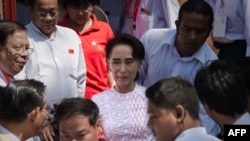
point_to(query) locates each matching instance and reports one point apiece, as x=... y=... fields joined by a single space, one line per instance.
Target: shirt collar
x=191 y=131
x=8 y=134
x=244 y=119
x=53 y=35
x=199 y=55
x=95 y=23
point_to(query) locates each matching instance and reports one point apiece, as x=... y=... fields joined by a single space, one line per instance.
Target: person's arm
x=47 y=133
x=81 y=73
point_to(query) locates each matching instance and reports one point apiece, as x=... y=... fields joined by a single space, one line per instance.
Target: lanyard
x=137 y=3
x=6 y=77
x=134 y=9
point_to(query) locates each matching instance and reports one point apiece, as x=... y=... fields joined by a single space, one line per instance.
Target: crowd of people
x=152 y=79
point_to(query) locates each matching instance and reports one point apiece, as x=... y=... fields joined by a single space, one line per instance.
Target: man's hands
x=47 y=132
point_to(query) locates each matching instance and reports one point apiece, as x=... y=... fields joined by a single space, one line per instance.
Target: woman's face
x=123 y=66
x=79 y=14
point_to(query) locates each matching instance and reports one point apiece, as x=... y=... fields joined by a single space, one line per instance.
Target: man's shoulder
x=155 y=38
x=210 y=54
x=65 y=30
x=159 y=32
x=68 y=33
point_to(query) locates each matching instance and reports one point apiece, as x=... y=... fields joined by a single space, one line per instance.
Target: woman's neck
x=80 y=28
x=124 y=89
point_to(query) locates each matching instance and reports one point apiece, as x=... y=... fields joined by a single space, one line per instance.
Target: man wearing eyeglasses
x=14 y=50
x=58 y=59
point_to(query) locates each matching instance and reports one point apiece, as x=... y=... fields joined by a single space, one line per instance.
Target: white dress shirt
x=196 y=134
x=163 y=61
x=244 y=119
x=156 y=14
x=235 y=24
x=8 y=134
x=246 y=10
x=57 y=61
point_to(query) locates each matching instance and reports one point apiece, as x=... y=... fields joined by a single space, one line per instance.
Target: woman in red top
x=94 y=35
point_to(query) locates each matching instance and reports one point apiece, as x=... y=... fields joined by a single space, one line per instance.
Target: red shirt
x=94 y=41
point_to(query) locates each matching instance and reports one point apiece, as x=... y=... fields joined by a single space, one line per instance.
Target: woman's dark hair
x=138 y=51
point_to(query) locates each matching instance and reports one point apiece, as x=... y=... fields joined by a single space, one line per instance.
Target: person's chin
x=48 y=30
x=20 y=66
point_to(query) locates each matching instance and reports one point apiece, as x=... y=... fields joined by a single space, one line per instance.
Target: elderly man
x=14 y=50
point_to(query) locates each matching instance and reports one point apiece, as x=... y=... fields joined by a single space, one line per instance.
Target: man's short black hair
x=222 y=86
x=199 y=7
x=78 y=106
x=19 y=98
x=170 y=92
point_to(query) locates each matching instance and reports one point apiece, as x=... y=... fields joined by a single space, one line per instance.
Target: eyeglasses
x=75 y=9
x=21 y=49
x=42 y=14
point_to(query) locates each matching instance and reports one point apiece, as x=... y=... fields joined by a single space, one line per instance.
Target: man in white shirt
x=14 y=50
x=181 y=52
x=173 y=109
x=142 y=15
x=231 y=28
x=222 y=89
x=156 y=14
x=57 y=59
x=23 y=110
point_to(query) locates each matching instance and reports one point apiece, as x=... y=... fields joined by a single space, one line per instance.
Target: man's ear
x=98 y=125
x=177 y=23
x=33 y=114
x=180 y=113
x=209 y=32
x=30 y=9
x=208 y=110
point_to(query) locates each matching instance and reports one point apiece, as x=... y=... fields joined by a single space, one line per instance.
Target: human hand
x=47 y=133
